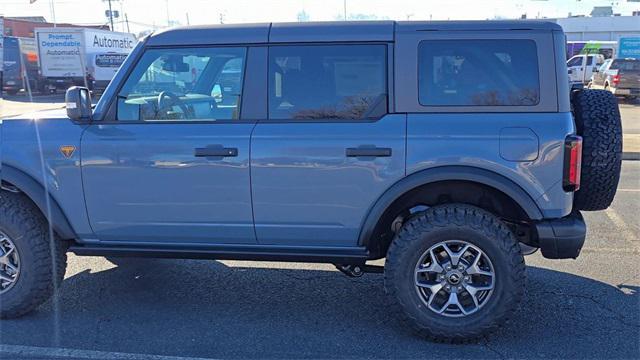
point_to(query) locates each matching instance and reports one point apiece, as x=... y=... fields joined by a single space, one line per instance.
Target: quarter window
x=478 y=73
x=327 y=82
x=187 y=84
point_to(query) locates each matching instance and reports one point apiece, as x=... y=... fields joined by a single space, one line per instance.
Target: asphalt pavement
x=161 y=309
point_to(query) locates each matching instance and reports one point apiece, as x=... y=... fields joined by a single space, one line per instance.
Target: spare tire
x=598 y=122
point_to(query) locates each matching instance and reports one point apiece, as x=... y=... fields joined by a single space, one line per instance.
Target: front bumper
x=561 y=238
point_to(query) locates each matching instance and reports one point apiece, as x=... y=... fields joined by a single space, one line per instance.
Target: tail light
x=616 y=79
x=572 y=163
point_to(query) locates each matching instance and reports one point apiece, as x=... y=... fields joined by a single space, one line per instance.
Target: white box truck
x=79 y=56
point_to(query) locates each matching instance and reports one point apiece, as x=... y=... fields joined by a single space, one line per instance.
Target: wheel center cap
x=454 y=277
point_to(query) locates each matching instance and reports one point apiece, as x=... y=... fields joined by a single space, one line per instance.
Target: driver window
x=184 y=84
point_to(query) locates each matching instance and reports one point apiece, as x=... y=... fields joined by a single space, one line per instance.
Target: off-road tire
x=598 y=122
x=460 y=222
x=42 y=261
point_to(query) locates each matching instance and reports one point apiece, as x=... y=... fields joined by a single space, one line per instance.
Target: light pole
x=344 y=8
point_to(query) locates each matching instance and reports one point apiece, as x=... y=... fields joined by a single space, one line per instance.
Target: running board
x=347 y=255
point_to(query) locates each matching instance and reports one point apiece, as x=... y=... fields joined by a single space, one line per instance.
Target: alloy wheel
x=454 y=278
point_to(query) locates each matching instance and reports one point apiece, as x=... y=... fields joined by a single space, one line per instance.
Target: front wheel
x=456 y=272
x=31 y=263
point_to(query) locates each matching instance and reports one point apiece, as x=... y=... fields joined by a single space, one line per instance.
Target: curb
x=631 y=156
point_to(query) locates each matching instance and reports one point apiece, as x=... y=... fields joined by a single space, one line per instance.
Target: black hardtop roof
x=328 y=31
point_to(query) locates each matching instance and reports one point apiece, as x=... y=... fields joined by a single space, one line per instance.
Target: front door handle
x=217 y=151
x=368 y=152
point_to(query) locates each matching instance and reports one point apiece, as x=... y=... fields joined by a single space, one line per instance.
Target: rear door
x=173 y=166
x=328 y=147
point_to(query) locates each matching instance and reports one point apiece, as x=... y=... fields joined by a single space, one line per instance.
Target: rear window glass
x=628 y=65
x=478 y=73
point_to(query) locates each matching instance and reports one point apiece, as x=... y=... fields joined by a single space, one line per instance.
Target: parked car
x=620 y=76
x=451 y=149
x=581 y=67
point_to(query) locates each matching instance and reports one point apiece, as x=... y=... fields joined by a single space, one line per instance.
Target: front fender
x=45 y=202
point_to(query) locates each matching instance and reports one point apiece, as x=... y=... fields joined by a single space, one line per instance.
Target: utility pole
x=168 y=18
x=126 y=19
x=53 y=11
x=344 y=7
x=111 y=15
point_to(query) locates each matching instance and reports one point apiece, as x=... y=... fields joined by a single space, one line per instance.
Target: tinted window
x=327 y=82
x=184 y=84
x=625 y=64
x=589 y=60
x=576 y=61
x=478 y=72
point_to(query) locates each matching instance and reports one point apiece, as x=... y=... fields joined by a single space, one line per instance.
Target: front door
x=329 y=148
x=172 y=166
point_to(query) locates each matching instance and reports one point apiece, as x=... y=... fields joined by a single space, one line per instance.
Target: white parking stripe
x=33 y=352
x=621 y=226
x=628 y=190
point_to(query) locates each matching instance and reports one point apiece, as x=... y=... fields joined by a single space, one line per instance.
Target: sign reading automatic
x=112 y=43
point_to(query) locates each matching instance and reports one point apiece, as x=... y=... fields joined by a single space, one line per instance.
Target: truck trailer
x=81 y=56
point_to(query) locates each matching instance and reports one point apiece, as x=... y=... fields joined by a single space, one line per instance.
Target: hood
x=60 y=113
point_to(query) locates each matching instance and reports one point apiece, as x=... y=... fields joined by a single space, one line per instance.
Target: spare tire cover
x=598 y=122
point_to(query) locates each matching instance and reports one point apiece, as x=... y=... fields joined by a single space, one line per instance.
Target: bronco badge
x=67 y=150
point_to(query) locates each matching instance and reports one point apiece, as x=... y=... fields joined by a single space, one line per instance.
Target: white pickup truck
x=581 y=67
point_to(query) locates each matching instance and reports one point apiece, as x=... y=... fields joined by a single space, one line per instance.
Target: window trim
x=111 y=115
x=421 y=43
x=388 y=68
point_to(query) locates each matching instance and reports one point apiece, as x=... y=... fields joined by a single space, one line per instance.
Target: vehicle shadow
x=207 y=309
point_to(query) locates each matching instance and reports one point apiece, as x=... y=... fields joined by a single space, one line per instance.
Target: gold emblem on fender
x=67 y=150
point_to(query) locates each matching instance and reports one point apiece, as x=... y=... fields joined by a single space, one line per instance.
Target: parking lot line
x=617 y=220
x=33 y=352
x=629 y=190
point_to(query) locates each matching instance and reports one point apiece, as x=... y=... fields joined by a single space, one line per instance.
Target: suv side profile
x=451 y=149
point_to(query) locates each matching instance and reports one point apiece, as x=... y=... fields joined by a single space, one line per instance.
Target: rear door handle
x=215 y=151
x=368 y=152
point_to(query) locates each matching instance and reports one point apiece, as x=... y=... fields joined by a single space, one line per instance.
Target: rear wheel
x=456 y=273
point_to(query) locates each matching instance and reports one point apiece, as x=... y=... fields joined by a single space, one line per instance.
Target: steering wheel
x=167 y=99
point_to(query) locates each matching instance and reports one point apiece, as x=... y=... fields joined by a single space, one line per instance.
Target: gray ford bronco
x=451 y=149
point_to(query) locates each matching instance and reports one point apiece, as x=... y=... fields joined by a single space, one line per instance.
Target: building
x=603 y=28
x=24 y=26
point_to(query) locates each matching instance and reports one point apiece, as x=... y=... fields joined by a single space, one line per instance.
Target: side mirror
x=78 y=100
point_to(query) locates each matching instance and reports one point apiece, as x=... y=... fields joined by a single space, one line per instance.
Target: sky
x=153 y=14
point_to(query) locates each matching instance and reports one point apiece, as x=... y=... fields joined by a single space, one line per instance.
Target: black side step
x=347 y=255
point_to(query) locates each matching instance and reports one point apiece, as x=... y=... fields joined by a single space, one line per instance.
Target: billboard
x=629 y=47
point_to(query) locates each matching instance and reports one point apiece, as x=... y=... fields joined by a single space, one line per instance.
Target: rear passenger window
x=478 y=73
x=327 y=82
